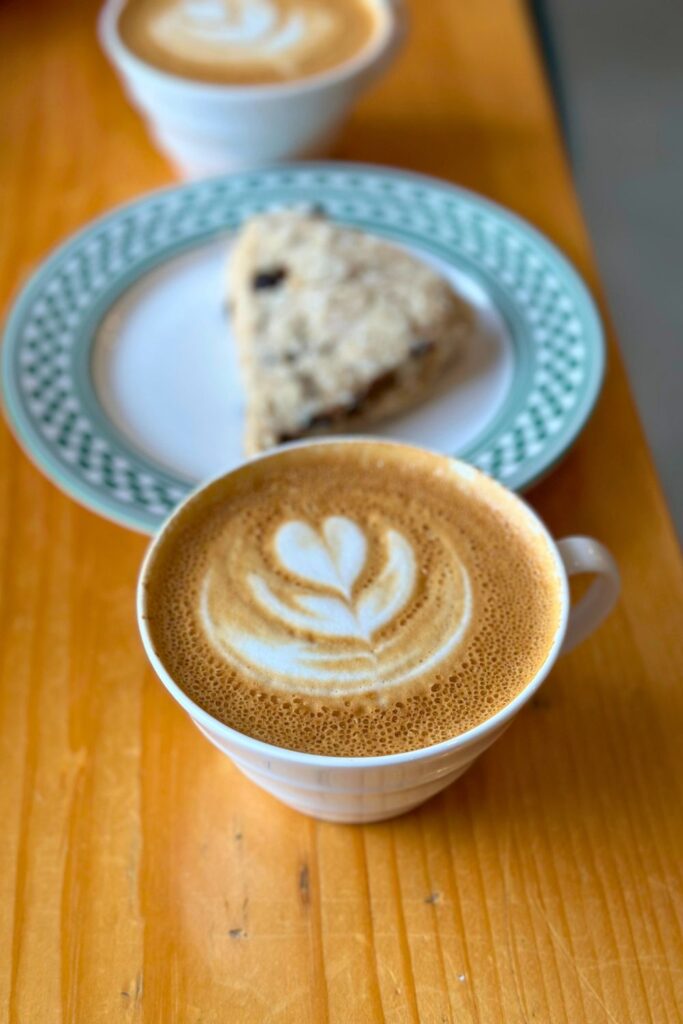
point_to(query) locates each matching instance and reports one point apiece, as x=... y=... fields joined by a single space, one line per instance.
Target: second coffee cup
x=293 y=82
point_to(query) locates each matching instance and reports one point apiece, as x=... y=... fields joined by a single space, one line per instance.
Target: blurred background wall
x=617 y=66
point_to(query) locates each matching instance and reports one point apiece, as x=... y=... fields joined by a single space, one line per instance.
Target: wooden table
x=142 y=878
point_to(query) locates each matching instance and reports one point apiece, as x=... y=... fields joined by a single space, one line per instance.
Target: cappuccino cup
x=353 y=621
x=228 y=85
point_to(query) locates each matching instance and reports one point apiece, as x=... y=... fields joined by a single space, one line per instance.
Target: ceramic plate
x=119 y=372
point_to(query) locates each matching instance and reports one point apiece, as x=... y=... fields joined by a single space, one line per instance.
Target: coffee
x=353 y=599
x=249 y=42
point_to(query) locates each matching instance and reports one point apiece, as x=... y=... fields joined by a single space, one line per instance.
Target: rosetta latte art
x=314 y=621
x=242 y=31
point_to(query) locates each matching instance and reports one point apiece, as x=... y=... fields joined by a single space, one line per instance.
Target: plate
x=119 y=374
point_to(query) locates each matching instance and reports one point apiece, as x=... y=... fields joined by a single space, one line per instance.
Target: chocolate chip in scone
x=318 y=421
x=327 y=418
x=379 y=385
x=309 y=385
x=270 y=278
x=376 y=388
x=421 y=347
x=321 y=419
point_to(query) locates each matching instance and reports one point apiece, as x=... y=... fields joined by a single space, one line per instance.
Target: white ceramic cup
x=206 y=128
x=362 y=789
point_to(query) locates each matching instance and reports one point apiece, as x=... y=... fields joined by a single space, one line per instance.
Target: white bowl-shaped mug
x=364 y=789
x=209 y=128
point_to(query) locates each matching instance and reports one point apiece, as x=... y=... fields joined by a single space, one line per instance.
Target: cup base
x=194 y=159
x=325 y=802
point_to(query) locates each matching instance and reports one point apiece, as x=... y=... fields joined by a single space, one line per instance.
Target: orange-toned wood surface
x=142 y=879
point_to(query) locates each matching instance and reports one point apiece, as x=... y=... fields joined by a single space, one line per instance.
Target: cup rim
x=124 y=58
x=270 y=750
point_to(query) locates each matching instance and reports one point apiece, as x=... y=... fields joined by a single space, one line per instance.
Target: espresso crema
x=249 y=42
x=353 y=599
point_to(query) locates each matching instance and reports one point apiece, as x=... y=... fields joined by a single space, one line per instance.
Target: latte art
x=360 y=598
x=217 y=32
x=247 y=40
x=316 y=632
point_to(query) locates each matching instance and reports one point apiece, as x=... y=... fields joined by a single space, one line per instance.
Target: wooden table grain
x=142 y=879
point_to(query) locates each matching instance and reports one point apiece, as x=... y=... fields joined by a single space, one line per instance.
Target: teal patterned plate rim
x=49 y=395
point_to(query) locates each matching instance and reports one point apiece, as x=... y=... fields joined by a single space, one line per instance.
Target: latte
x=353 y=599
x=248 y=42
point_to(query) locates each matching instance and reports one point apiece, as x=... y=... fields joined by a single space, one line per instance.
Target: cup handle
x=582 y=555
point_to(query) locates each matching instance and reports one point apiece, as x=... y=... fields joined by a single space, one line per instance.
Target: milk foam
x=238 y=32
x=292 y=634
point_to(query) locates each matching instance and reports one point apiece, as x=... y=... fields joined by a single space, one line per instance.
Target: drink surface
x=248 y=42
x=353 y=599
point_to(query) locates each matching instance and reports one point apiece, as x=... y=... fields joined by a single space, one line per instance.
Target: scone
x=335 y=329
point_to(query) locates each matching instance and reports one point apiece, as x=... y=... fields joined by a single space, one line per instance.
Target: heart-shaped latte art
x=317 y=622
x=334 y=557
